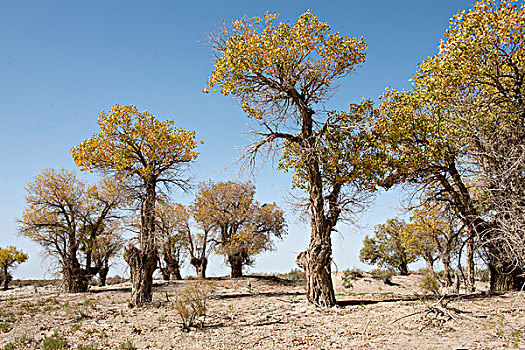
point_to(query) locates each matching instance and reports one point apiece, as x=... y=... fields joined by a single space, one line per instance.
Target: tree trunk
x=143 y=261
x=429 y=260
x=504 y=275
x=320 y=290
x=471 y=279
x=445 y=259
x=75 y=280
x=102 y=275
x=142 y=267
x=235 y=261
x=6 y=278
x=316 y=261
x=174 y=270
x=403 y=268
x=200 y=266
x=165 y=273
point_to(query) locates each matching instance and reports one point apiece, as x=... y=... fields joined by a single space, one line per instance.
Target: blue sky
x=63 y=62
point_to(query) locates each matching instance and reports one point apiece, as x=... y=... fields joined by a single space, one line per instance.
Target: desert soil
x=262 y=312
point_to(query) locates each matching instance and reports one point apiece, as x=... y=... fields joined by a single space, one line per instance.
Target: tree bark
x=320 y=290
x=75 y=280
x=165 y=273
x=174 y=270
x=471 y=278
x=200 y=266
x=143 y=261
x=142 y=267
x=445 y=259
x=316 y=261
x=102 y=275
x=235 y=261
x=6 y=278
x=403 y=269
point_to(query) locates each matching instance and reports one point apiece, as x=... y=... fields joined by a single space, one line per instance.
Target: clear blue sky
x=62 y=62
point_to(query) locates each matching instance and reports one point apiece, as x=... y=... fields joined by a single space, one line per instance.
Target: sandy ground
x=263 y=313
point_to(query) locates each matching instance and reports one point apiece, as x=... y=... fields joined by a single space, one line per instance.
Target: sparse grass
x=55 y=342
x=92 y=346
x=127 y=345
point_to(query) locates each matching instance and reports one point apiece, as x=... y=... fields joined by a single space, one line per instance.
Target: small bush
x=191 y=304
x=115 y=280
x=295 y=275
x=384 y=275
x=127 y=345
x=349 y=276
x=430 y=284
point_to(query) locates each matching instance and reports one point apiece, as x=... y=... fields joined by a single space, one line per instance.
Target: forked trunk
x=142 y=265
x=200 y=266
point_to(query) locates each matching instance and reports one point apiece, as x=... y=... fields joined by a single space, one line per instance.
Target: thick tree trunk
x=429 y=260
x=504 y=278
x=142 y=266
x=143 y=261
x=200 y=266
x=403 y=268
x=174 y=270
x=6 y=278
x=504 y=275
x=236 y=262
x=316 y=261
x=75 y=280
x=102 y=275
x=320 y=290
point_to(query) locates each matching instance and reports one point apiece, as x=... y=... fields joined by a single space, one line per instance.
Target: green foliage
x=387 y=248
x=192 y=304
x=92 y=346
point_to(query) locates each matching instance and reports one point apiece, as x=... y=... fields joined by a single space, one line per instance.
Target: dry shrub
x=349 y=276
x=192 y=304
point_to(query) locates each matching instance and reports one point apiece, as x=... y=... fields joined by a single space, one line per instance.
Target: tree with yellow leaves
x=459 y=132
x=147 y=153
x=9 y=258
x=67 y=219
x=281 y=73
x=244 y=227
